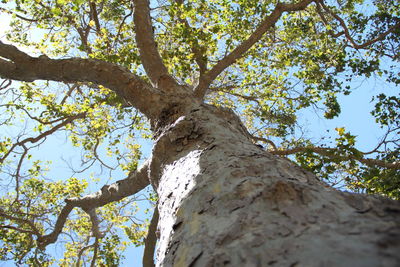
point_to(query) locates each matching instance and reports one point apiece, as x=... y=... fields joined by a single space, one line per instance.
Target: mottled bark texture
x=223 y=201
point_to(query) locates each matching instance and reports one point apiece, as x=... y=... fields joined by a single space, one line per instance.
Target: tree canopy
x=266 y=60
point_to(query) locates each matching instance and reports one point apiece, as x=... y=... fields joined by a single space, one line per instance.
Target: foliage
x=308 y=60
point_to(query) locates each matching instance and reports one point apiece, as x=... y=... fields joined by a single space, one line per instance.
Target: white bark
x=224 y=201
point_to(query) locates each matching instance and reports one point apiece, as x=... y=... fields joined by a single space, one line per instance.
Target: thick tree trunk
x=225 y=201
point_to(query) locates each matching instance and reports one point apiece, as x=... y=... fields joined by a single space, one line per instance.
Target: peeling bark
x=225 y=201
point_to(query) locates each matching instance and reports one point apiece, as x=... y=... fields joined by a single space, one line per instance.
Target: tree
x=227 y=194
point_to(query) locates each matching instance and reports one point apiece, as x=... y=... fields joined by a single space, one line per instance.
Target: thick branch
x=109 y=193
x=16 y=65
x=129 y=186
x=240 y=50
x=332 y=152
x=45 y=240
x=150 y=241
x=95 y=223
x=149 y=54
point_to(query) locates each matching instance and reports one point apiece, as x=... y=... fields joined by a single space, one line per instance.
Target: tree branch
x=21 y=17
x=83 y=34
x=241 y=49
x=17 y=65
x=42 y=135
x=228 y=90
x=78 y=262
x=17 y=229
x=95 y=223
x=150 y=241
x=95 y=252
x=149 y=54
x=4 y=84
x=94 y=16
x=265 y=140
x=326 y=23
x=121 y=25
x=135 y=182
x=17 y=172
x=21 y=221
x=346 y=32
x=200 y=59
x=330 y=151
x=45 y=240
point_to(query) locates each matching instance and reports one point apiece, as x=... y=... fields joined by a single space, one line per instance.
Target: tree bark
x=223 y=201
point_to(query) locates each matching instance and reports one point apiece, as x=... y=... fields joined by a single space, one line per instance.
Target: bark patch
x=290 y=199
x=284 y=192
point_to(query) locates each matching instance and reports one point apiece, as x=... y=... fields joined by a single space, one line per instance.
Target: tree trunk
x=225 y=201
